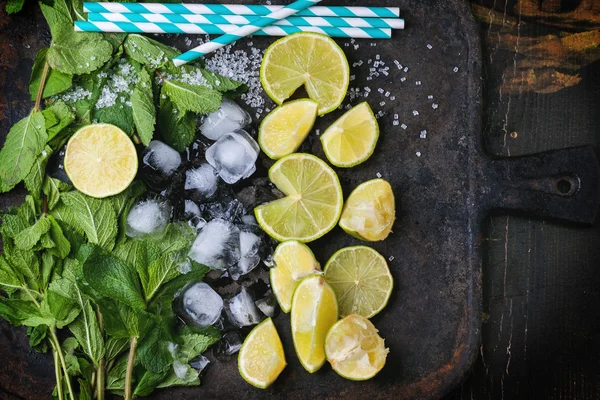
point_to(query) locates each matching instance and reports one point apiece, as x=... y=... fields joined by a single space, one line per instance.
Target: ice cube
x=217 y=245
x=230 y=343
x=267 y=305
x=226 y=119
x=242 y=311
x=249 y=258
x=197 y=223
x=161 y=157
x=148 y=218
x=202 y=180
x=191 y=209
x=249 y=220
x=201 y=306
x=199 y=363
x=234 y=156
x=231 y=211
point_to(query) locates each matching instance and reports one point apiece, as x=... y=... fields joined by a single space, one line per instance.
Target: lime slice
x=354 y=348
x=361 y=280
x=351 y=139
x=369 y=211
x=286 y=127
x=293 y=261
x=310 y=59
x=313 y=204
x=314 y=311
x=101 y=160
x=261 y=357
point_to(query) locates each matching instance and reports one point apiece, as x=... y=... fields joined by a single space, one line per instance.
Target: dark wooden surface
x=541 y=280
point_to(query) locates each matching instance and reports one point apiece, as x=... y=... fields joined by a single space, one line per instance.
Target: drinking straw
x=220 y=29
x=349 y=22
x=237 y=9
x=244 y=31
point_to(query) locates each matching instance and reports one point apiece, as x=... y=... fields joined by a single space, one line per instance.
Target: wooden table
x=541 y=280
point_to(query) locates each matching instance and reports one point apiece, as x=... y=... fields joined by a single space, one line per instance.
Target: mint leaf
x=52 y=188
x=119 y=114
x=22 y=312
x=113 y=347
x=221 y=83
x=148 y=51
x=61 y=299
x=63 y=116
x=35 y=177
x=14 y=6
x=96 y=217
x=56 y=81
x=29 y=237
x=24 y=142
x=49 y=265
x=139 y=254
x=113 y=278
x=160 y=272
x=149 y=382
x=153 y=352
x=144 y=112
x=9 y=278
x=87 y=331
x=178 y=236
x=115 y=379
x=199 y=99
x=177 y=130
x=25 y=262
x=62 y=246
x=161 y=302
x=37 y=336
x=121 y=321
x=58 y=19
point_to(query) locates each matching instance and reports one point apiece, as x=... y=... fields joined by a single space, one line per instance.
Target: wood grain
x=541 y=284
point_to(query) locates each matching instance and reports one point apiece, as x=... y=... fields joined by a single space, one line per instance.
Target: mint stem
x=38 y=99
x=100 y=374
x=63 y=364
x=58 y=374
x=129 y=372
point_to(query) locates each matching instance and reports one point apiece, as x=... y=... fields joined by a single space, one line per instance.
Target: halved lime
x=351 y=139
x=294 y=261
x=310 y=59
x=354 y=348
x=369 y=211
x=361 y=280
x=314 y=311
x=313 y=201
x=286 y=127
x=261 y=357
x=101 y=160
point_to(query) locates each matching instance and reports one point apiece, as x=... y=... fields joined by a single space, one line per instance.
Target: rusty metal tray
x=432 y=323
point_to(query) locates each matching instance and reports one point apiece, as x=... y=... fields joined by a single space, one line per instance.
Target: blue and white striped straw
x=237 y=9
x=220 y=29
x=243 y=31
x=340 y=22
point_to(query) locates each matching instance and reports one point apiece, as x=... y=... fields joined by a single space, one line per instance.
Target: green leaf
x=149 y=382
x=58 y=19
x=22 y=312
x=25 y=262
x=177 y=130
x=160 y=272
x=144 y=112
x=35 y=177
x=85 y=389
x=121 y=321
x=63 y=246
x=62 y=301
x=115 y=379
x=96 y=217
x=178 y=236
x=113 y=278
x=139 y=254
x=9 y=278
x=14 y=6
x=37 y=338
x=87 y=331
x=195 y=344
x=49 y=266
x=148 y=51
x=24 y=142
x=52 y=188
x=153 y=352
x=221 y=83
x=28 y=238
x=119 y=114
x=114 y=346
x=64 y=116
x=56 y=81
x=198 y=99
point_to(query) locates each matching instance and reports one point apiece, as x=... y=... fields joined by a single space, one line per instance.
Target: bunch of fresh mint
x=67 y=263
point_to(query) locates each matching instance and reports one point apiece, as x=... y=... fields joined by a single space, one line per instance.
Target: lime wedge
x=261 y=357
x=286 y=127
x=294 y=261
x=369 y=211
x=310 y=59
x=354 y=348
x=361 y=280
x=351 y=139
x=314 y=311
x=313 y=201
x=101 y=160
